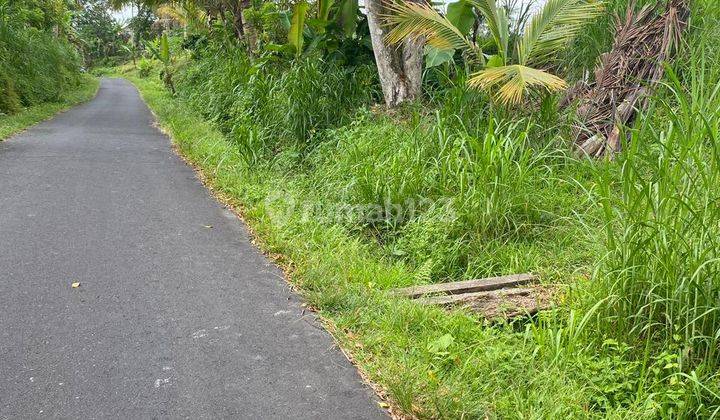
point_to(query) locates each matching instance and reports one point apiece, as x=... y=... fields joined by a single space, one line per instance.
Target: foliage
x=297 y=25
x=145 y=67
x=552 y=28
x=189 y=14
x=161 y=51
x=35 y=65
x=141 y=25
x=270 y=24
x=44 y=15
x=97 y=32
x=660 y=271
x=290 y=104
x=9 y=99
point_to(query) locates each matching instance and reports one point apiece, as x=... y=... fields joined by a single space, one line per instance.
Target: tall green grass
x=283 y=105
x=443 y=198
x=35 y=67
x=661 y=274
x=11 y=124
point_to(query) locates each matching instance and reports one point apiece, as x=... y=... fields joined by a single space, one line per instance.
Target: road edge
x=25 y=119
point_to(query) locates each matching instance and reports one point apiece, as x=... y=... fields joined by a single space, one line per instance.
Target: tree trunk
x=399 y=66
x=250 y=34
x=238 y=21
x=235 y=8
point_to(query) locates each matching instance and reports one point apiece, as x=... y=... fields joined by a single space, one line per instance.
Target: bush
x=9 y=99
x=144 y=66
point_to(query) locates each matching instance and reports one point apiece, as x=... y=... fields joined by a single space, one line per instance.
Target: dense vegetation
x=47 y=45
x=282 y=115
x=37 y=62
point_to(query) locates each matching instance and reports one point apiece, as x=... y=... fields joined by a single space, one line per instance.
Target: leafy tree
x=189 y=15
x=97 y=31
x=141 y=24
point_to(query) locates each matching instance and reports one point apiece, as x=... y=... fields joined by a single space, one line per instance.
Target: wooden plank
x=468 y=286
x=468 y=297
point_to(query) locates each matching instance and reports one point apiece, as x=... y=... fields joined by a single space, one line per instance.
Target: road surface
x=177 y=315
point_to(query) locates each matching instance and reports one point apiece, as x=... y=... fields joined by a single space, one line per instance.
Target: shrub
x=9 y=100
x=144 y=66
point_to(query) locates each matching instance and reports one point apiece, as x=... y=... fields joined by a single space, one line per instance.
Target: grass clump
x=290 y=105
x=441 y=198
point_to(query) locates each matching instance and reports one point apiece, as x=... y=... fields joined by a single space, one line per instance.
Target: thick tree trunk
x=399 y=66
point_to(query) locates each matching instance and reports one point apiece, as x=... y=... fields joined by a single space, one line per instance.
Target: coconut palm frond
x=515 y=81
x=171 y=11
x=418 y=20
x=498 y=23
x=551 y=29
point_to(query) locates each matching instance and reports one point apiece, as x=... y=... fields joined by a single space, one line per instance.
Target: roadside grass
x=430 y=363
x=36 y=66
x=12 y=124
x=660 y=276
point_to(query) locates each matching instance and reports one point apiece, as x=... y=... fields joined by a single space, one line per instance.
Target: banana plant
x=332 y=19
x=296 y=38
x=512 y=71
x=162 y=53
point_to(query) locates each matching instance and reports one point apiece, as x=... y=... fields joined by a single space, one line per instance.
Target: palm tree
x=512 y=72
x=187 y=14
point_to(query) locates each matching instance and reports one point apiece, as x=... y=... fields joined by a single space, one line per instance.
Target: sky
x=123 y=15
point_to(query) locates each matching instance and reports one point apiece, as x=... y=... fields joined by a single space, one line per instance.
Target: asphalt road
x=173 y=318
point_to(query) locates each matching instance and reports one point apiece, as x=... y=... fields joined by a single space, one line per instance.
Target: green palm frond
x=420 y=20
x=497 y=21
x=515 y=81
x=174 y=12
x=554 y=27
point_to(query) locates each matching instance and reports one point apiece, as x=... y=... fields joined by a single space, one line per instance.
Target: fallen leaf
x=75 y=285
x=384 y=404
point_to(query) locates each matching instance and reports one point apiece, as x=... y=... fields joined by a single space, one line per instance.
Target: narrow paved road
x=173 y=318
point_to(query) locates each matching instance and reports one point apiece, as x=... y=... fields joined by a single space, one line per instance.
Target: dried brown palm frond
x=644 y=42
